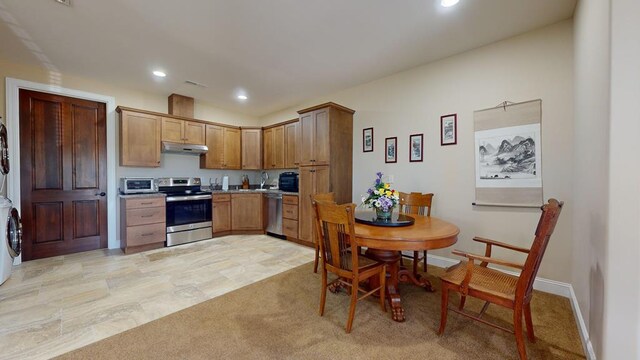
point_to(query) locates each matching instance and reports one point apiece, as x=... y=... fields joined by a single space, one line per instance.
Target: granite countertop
x=249 y=191
x=150 y=195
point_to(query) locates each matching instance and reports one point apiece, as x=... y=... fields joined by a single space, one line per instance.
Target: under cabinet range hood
x=175 y=148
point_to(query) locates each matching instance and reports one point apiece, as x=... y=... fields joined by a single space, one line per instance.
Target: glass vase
x=383 y=215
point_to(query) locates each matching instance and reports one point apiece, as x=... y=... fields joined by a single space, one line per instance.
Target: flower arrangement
x=381 y=197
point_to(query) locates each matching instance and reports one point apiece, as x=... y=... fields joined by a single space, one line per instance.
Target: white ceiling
x=281 y=52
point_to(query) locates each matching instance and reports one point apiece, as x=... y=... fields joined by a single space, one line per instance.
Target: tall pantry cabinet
x=325 y=145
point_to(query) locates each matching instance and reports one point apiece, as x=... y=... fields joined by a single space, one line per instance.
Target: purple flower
x=377 y=181
x=379 y=174
x=370 y=191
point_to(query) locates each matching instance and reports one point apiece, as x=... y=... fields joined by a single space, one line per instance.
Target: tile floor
x=51 y=306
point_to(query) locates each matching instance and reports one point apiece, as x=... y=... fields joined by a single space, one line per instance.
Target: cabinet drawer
x=290 y=211
x=145 y=202
x=146 y=234
x=145 y=216
x=290 y=199
x=221 y=198
x=290 y=228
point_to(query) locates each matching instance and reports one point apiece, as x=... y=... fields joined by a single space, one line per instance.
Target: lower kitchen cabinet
x=142 y=223
x=290 y=216
x=221 y=213
x=247 y=212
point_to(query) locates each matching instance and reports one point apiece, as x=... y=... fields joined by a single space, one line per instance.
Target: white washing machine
x=10 y=227
x=10 y=236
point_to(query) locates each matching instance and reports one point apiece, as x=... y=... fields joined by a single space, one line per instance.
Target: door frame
x=13 y=87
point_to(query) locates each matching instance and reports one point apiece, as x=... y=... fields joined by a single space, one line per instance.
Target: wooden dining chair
x=497 y=287
x=340 y=255
x=330 y=197
x=420 y=204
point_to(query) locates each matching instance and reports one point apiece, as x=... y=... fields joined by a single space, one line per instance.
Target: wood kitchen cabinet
x=291 y=155
x=183 y=131
x=142 y=223
x=221 y=205
x=312 y=180
x=273 y=150
x=224 y=148
x=290 y=216
x=140 y=135
x=325 y=145
x=247 y=212
x=251 y=149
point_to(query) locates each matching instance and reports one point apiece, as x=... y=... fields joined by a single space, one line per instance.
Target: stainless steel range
x=188 y=210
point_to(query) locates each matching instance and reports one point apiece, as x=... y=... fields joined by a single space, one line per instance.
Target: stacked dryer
x=10 y=227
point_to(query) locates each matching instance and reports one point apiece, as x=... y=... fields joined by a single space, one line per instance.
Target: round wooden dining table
x=385 y=243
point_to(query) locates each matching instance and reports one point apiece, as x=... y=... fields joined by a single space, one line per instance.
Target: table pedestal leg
x=405 y=275
x=391 y=259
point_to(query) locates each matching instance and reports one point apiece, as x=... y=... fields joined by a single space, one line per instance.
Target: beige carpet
x=277 y=318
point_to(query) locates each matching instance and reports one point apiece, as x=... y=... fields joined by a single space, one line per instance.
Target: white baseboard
x=541 y=284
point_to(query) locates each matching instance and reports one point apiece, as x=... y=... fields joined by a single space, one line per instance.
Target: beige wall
x=123 y=96
x=622 y=285
x=591 y=163
x=534 y=65
x=172 y=165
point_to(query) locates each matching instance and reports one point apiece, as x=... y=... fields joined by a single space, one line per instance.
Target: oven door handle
x=188 y=198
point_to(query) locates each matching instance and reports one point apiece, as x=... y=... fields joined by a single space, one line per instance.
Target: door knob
x=101 y=194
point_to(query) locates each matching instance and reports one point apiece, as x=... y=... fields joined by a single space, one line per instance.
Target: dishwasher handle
x=274 y=196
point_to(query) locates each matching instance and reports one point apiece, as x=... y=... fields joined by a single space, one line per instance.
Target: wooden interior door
x=63 y=163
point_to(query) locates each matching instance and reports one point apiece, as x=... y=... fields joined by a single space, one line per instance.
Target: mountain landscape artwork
x=507 y=157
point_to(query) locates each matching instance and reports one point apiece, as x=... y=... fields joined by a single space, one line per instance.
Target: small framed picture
x=367 y=140
x=449 y=129
x=390 y=153
x=415 y=147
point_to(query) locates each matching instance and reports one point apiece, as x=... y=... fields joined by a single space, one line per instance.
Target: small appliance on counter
x=225 y=183
x=288 y=181
x=137 y=185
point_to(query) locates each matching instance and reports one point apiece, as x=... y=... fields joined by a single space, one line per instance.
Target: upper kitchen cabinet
x=183 y=131
x=326 y=134
x=291 y=155
x=139 y=138
x=251 y=148
x=224 y=148
x=274 y=147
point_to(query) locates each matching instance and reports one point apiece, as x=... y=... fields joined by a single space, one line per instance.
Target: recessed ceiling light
x=448 y=3
x=159 y=73
x=242 y=97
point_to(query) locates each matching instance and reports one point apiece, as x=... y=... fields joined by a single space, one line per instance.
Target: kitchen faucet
x=263 y=179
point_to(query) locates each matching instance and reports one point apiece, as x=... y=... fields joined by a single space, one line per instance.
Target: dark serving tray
x=370 y=218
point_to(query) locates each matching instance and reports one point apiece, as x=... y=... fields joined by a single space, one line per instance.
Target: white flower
x=377 y=203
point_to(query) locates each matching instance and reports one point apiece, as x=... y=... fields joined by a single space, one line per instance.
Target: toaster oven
x=137 y=185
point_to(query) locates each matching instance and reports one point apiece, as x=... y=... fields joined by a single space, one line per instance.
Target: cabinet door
x=306 y=218
x=267 y=136
x=246 y=211
x=194 y=133
x=214 y=139
x=321 y=138
x=306 y=144
x=278 y=147
x=232 y=149
x=321 y=182
x=221 y=216
x=140 y=139
x=252 y=149
x=172 y=130
x=291 y=157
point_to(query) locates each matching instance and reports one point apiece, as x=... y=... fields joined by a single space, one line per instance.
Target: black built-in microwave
x=288 y=181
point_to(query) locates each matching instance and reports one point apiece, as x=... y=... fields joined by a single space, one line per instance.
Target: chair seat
x=484 y=280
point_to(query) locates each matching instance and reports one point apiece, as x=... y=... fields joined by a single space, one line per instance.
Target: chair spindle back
x=415 y=203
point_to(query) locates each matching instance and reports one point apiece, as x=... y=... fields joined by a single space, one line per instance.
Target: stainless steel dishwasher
x=274 y=206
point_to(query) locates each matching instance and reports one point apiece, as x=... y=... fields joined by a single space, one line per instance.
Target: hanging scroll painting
x=508 y=156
